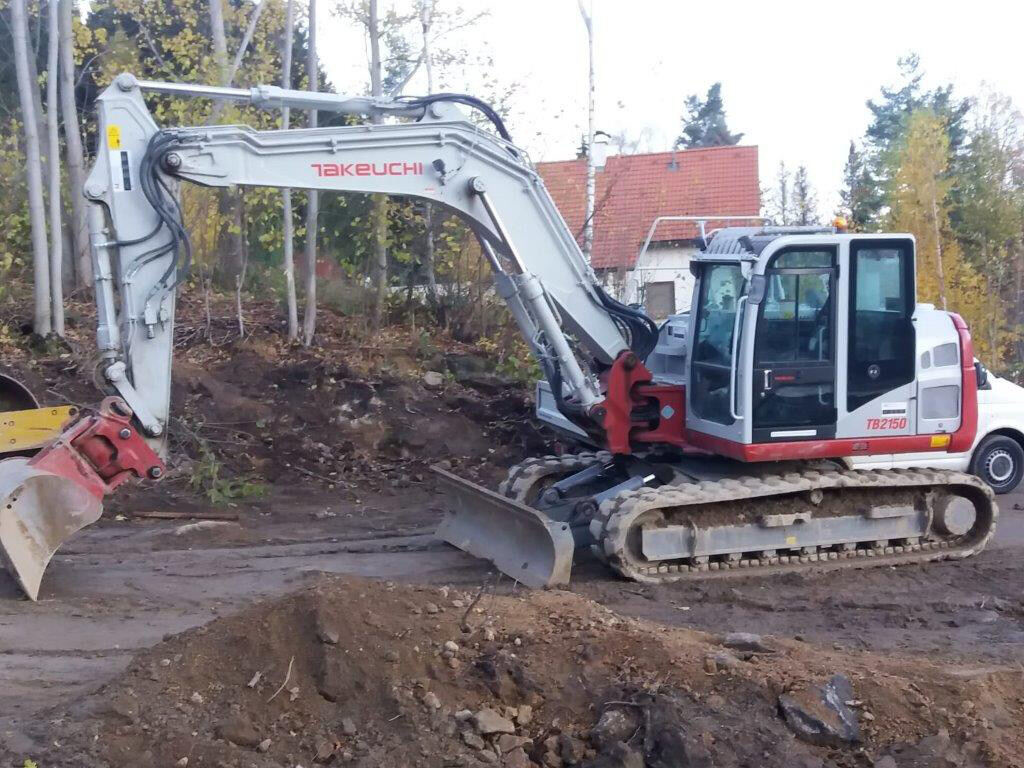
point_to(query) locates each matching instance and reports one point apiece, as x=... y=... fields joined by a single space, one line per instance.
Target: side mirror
x=981 y=374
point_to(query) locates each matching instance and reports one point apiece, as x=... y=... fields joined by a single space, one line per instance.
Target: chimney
x=600 y=149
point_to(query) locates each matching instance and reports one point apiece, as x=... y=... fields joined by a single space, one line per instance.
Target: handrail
x=733 y=365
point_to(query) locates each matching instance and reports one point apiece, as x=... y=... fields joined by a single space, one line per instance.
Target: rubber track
x=616 y=516
x=524 y=476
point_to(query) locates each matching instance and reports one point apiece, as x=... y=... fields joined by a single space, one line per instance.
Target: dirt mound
x=374 y=674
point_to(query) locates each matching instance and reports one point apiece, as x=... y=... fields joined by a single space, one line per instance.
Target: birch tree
x=379 y=214
x=53 y=142
x=313 y=198
x=588 y=220
x=426 y=22
x=288 y=225
x=74 y=156
x=42 y=317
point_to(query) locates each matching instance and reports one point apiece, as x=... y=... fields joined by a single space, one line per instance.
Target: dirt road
x=124 y=585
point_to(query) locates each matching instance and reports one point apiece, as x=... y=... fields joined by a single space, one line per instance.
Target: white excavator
x=708 y=451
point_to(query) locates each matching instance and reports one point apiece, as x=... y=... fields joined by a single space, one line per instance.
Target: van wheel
x=999 y=461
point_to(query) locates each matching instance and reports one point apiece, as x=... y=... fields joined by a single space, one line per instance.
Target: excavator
x=709 y=446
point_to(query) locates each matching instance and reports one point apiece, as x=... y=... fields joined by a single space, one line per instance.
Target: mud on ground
x=376 y=674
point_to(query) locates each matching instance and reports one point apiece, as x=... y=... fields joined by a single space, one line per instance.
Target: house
x=631 y=192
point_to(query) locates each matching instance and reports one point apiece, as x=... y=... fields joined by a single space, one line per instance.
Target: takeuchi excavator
x=707 y=447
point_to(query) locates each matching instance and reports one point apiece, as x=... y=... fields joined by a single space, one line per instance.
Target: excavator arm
x=141 y=255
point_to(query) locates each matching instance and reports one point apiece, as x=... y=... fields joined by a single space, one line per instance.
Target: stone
x=725 y=660
x=571 y=749
x=489 y=722
x=451 y=647
x=348 y=726
x=552 y=760
x=431 y=608
x=709 y=664
x=431 y=701
x=196 y=697
x=472 y=740
x=746 y=641
x=886 y=762
x=333 y=677
x=328 y=635
x=489 y=635
x=433 y=379
x=507 y=742
x=324 y=751
x=240 y=731
x=673 y=748
x=463 y=715
x=517 y=758
x=821 y=716
x=487 y=756
x=391 y=657
x=613 y=726
x=525 y=715
x=182 y=762
x=621 y=756
x=264 y=746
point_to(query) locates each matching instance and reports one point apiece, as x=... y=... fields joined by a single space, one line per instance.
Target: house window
x=660 y=299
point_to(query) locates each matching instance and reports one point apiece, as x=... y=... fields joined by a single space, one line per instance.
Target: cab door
x=793 y=386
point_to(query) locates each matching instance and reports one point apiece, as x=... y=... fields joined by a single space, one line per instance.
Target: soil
x=291 y=464
x=379 y=674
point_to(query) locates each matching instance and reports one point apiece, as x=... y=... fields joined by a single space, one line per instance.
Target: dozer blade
x=39 y=511
x=522 y=542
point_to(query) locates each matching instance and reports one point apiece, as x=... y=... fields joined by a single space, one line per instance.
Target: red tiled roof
x=633 y=190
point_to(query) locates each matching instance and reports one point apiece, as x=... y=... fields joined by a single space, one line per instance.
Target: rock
x=240 y=731
x=525 y=715
x=821 y=716
x=433 y=379
x=196 y=697
x=709 y=664
x=613 y=726
x=182 y=763
x=348 y=726
x=324 y=751
x=489 y=635
x=886 y=762
x=487 y=756
x=391 y=657
x=431 y=608
x=517 y=758
x=672 y=749
x=619 y=756
x=472 y=740
x=725 y=660
x=551 y=760
x=451 y=647
x=571 y=749
x=328 y=635
x=746 y=641
x=463 y=715
x=333 y=677
x=507 y=742
x=431 y=701
x=488 y=722
x=264 y=746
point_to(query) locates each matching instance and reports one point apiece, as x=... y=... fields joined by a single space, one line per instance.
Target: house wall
x=661 y=263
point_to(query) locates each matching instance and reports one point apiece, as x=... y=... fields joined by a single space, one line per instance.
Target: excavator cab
x=809 y=343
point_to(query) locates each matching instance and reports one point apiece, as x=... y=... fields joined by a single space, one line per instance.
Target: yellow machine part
x=31 y=429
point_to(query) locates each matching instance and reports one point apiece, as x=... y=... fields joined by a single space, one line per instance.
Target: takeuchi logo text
x=368 y=169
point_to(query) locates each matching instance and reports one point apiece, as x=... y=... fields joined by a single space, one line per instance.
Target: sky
x=795 y=74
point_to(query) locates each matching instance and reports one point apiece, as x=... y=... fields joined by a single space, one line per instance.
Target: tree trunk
x=588 y=222
x=426 y=20
x=42 y=322
x=53 y=140
x=220 y=40
x=938 y=252
x=74 y=155
x=379 y=213
x=312 y=207
x=286 y=194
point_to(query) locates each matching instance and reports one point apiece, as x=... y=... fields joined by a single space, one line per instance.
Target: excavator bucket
x=46 y=499
x=522 y=542
x=39 y=511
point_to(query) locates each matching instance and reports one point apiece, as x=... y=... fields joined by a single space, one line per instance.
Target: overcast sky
x=795 y=74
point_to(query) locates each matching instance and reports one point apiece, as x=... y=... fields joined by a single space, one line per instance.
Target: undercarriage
x=661 y=519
